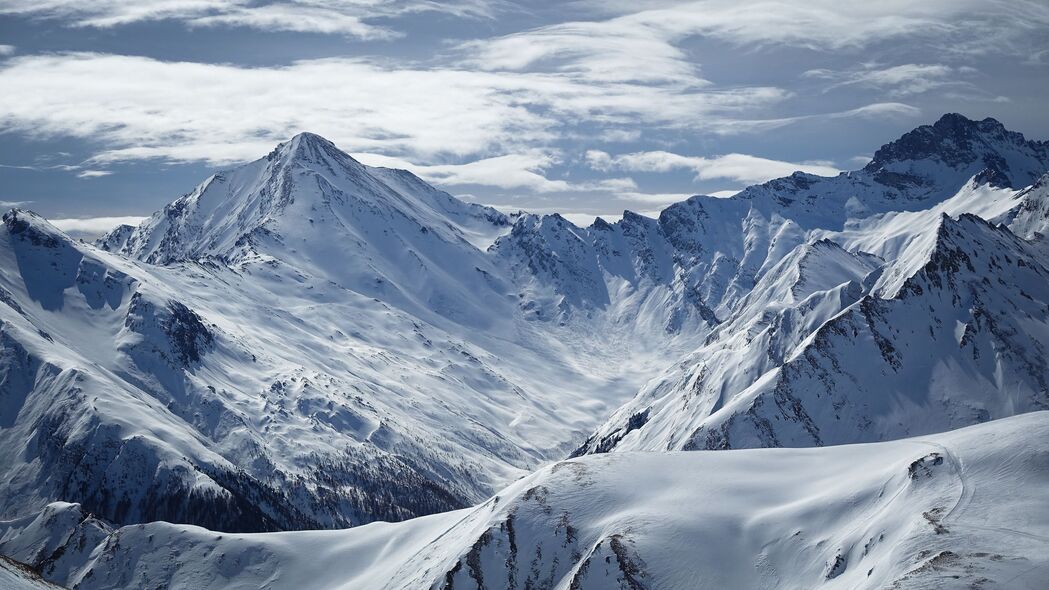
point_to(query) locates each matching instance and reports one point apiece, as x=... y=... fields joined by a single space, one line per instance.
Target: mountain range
x=306 y=342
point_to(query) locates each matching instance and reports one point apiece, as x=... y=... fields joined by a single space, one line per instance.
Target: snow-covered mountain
x=708 y=252
x=308 y=342
x=901 y=324
x=956 y=510
x=923 y=167
x=311 y=207
x=256 y=397
x=301 y=342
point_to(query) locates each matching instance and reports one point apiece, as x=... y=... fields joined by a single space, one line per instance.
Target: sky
x=111 y=109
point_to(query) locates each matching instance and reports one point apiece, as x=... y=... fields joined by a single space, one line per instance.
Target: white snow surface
x=902 y=323
x=302 y=342
x=306 y=342
x=951 y=510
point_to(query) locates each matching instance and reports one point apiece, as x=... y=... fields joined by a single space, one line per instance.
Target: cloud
x=900 y=80
x=649 y=200
x=615 y=50
x=738 y=167
x=6 y=50
x=42 y=167
x=580 y=217
x=108 y=13
x=646 y=41
x=300 y=19
x=875 y=111
x=93 y=226
x=724 y=194
x=345 y=17
x=510 y=171
x=952 y=26
x=140 y=108
x=496 y=112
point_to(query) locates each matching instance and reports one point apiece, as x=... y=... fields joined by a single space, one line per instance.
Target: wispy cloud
x=645 y=41
x=6 y=50
x=148 y=109
x=512 y=171
x=738 y=167
x=43 y=167
x=900 y=80
x=344 y=17
x=878 y=111
x=579 y=216
x=649 y=200
x=724 y=194
x=616 y=50
x=954 y=26
x=508 y=111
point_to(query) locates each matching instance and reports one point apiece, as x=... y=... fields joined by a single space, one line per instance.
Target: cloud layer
x=570 y=107
x=741 y=168
x=343 y=17
x=94 y=226
x=183 y=111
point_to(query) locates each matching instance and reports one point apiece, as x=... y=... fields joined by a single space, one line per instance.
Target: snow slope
x=17 y=576
x=256 y=397
x=944 y=325
x=307 y=342
x=952 y=510
x=707 y=253
x=302 y=342
x=307 y=205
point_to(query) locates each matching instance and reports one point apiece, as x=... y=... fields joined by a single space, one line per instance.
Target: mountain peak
x=33 y=227
x=310 y=137
x=957 y=141
x=959 y=122
x=306 y=139
x=310 y=141
x=309 y=148
x=966 y=242
x=307 y=199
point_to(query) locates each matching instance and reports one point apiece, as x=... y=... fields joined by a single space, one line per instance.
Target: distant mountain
x=924 y=167
x=952 y=510
x=710 y=252
x=943 y=327
x=307 y=342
